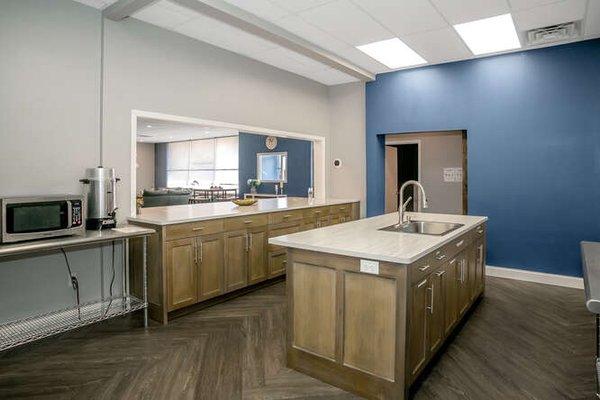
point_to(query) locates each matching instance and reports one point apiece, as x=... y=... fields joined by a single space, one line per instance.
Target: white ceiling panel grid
x=337 y=26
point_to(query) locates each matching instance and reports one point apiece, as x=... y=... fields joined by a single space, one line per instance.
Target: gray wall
x=144 y=166
x=49 y=80
x=347 y=132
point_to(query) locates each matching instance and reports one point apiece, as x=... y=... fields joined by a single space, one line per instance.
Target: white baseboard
x=531 y=276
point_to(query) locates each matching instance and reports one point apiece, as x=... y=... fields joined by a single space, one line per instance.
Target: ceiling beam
x=122 y=9
x=250 y=23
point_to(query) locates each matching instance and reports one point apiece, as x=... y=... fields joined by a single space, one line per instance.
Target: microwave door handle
x=69 y=214
x=114 y=197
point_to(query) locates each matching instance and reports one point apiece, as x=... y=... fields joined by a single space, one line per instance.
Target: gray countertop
x=590 y=253
x=90 y=237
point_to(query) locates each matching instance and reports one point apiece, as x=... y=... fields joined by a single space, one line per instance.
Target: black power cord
x=74 y=283
x=112 y=280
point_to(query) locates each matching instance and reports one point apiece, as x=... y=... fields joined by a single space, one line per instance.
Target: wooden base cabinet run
x=373 y=334
x=189 y=263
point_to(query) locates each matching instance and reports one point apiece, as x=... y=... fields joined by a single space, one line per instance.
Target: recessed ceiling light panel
x=489 y=35
x=393 y=53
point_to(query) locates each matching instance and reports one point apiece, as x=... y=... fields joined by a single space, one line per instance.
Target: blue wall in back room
x=299 y=163
x=533 y=126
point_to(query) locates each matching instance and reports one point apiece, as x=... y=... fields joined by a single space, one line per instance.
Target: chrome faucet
x=402 y=208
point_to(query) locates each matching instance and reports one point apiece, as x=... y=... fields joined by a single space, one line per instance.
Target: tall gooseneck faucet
x=402 y=208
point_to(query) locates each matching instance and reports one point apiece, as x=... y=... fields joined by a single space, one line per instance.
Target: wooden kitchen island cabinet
x=368 y=314
x=205 y=252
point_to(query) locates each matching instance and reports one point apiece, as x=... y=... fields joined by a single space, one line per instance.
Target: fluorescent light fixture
x=489 y=35
x=392 y=53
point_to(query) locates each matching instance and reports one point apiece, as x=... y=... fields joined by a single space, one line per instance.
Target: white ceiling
x=151 y=130
x=340 y=25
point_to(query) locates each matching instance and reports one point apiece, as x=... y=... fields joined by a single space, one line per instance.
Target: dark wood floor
x=523 y=341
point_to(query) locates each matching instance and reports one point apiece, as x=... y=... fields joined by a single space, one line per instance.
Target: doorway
x=437 y=160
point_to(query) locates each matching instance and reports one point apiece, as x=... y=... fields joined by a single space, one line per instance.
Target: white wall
x=49 y=79
x=347 y=141
x=145 y=166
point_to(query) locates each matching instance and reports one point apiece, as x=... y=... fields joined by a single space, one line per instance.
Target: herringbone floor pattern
x=523 y=341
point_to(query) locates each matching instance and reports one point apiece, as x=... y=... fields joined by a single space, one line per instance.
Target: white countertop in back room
x=362 y=239
x=199 y=212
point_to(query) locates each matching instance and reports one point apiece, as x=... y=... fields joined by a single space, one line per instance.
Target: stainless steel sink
x=424 y=227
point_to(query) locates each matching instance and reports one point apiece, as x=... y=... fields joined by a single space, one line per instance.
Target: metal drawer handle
x=317 y=212
x=198 y=229
x=287 y=216
x=430 y=308
x=248 y=221
x=460 y=243
x=439 y=255
x=480 y=230
x=452 y=261
x=424 y=268
x=342 y=208
x=284 y=262
x=422 y=283
x=441 y=273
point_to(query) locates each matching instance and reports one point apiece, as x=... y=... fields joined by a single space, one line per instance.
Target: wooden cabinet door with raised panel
x=210 y=266
x=450 y=294
x=182 y=274
x=418 y=346
x=462 y=278
x=479 y=266
x=437 y=292
x=236 y=252
x=257 y=255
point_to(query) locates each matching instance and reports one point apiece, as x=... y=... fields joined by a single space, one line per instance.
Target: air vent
x=554 y=33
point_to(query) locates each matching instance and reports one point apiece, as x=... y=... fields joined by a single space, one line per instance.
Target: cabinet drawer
x=282 y=229
x=458 y=245
x=180 y=231
x=421 y=268
x=277 y=264
x=237 y=223
x=285 y=216
x=311 y=214
x=344 y=209
x=479 y=231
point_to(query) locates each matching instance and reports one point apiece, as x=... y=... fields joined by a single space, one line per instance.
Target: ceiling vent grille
x=554 y=33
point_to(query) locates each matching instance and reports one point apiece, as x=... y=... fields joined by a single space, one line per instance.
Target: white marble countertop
x=362 y=239
x=199 y=212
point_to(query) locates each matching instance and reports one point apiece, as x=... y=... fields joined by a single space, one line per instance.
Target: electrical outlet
x=369 y=267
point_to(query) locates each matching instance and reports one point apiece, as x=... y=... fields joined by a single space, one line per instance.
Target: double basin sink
x=423 y=227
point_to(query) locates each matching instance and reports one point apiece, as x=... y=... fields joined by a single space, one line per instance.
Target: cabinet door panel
x=451 y=295
x=417 y=348
x=210 y=262
x=480 y=266
x=257 y=255
x=181 y=273
x=463 y=283
x=236 y=269
x=277 y=263
x=436 y=291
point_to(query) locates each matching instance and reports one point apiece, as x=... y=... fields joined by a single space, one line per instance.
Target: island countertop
x=363 y=239
x=199 y=212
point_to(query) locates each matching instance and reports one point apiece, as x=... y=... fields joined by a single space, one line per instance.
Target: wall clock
x=271 y=142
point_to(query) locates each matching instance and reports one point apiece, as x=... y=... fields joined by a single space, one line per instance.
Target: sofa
x=166 y=197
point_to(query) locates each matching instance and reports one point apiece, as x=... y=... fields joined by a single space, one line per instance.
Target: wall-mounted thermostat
x=337 y=163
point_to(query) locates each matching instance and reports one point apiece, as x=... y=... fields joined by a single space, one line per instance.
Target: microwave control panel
x=76 y=215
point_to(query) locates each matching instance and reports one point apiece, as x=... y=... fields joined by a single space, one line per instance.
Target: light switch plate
x=369 y=267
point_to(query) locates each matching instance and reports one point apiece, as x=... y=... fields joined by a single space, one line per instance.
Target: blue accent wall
x=533 y=126
x=299 y=163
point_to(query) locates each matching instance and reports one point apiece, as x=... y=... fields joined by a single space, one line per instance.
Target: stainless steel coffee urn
x=101 y=192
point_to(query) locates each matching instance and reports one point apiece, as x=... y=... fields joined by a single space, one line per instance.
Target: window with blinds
x=203 y=163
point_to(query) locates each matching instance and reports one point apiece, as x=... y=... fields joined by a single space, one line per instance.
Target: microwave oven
x=30 y=218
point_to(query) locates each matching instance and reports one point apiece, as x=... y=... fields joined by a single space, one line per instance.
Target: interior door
x=210 y=266
x=257 y=255
x=236 y=253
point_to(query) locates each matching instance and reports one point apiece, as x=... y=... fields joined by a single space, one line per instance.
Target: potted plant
x=254 y=184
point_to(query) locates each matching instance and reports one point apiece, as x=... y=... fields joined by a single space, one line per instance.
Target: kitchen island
x=368 y=308
x=204 y=253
